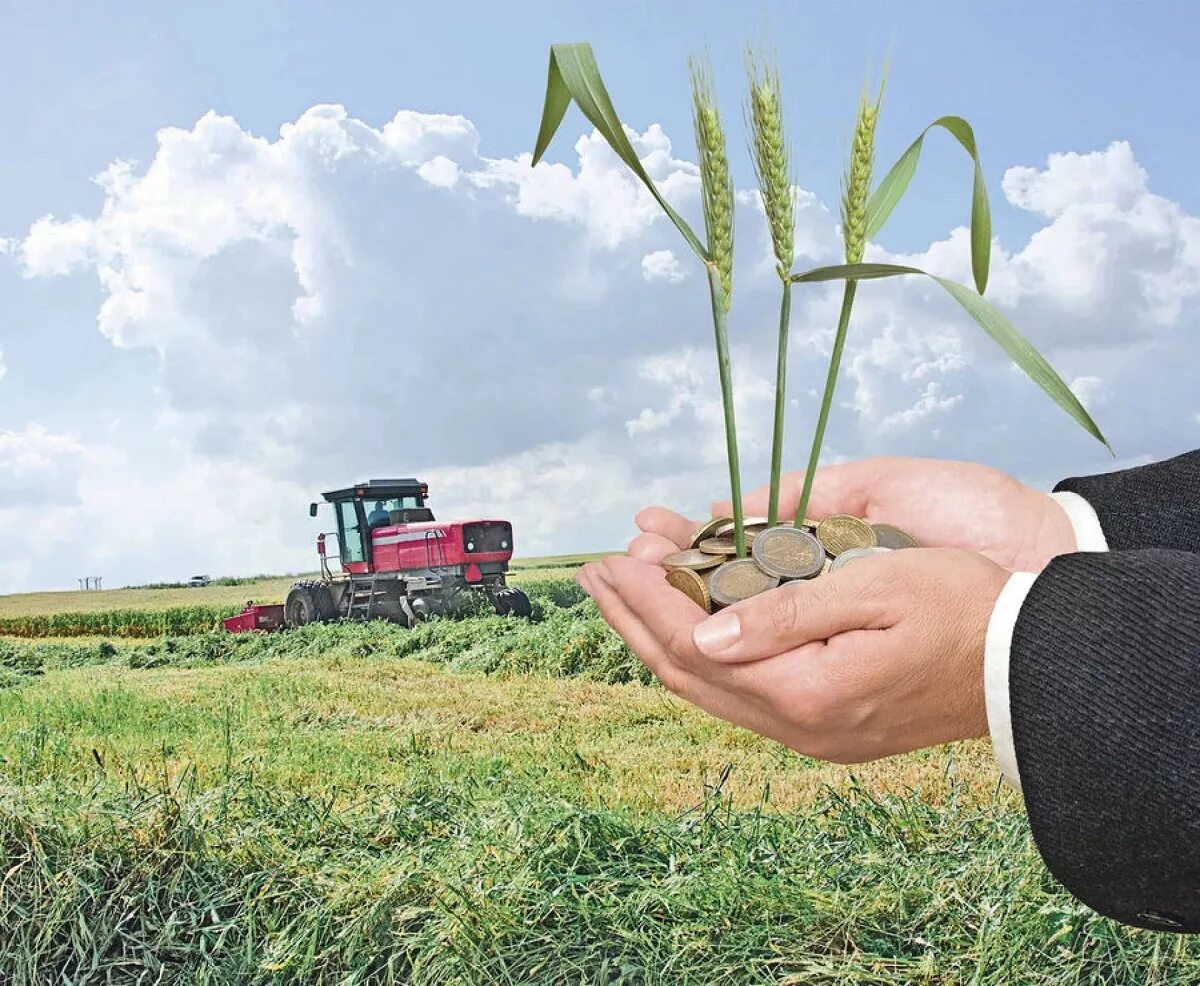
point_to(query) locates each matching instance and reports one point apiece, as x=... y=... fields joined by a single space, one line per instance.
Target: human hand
x=880 y=657
x=942 y=504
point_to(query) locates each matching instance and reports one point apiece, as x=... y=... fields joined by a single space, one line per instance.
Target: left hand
x=881 y=657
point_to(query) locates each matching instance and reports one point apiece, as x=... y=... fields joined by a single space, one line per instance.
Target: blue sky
x=139 y=427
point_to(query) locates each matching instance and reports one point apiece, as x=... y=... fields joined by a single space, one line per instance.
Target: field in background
x=491 y=800
x=272 y=590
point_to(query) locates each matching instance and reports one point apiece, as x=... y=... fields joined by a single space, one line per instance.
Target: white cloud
x=1089 y=390
x=662 y=265
x=344 y=300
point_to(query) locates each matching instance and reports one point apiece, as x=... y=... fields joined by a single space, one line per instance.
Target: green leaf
x=574 y=75
x=891 y=190
x=1019 y=349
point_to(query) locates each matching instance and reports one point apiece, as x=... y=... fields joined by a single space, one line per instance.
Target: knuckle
x=680 y=645
x=783 y=612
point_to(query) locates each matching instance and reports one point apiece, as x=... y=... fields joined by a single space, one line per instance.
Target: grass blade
x=1019 y=349
x=891 y=190
x=575 y=76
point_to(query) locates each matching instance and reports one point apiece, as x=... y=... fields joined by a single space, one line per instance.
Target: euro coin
x=711 y=529
x=693 y=559
x=841 y=532
x=789 y=553
x=888 y=536
x=853 y=554
x=810 y=524
x=692 y=585
x=751 y=527
x=739 y=579
x=718 y=546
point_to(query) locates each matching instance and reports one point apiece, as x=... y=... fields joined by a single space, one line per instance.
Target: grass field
x=492 y=801
x=271 y=590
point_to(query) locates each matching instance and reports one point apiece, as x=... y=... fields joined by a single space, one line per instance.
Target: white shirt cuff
x=996 y=649
x=1089 y=536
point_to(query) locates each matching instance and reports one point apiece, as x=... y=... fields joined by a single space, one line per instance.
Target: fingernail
x=717 y=633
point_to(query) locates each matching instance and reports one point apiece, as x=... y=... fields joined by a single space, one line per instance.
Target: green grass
x=492 y=801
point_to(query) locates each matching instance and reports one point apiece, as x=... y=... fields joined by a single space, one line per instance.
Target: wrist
x=1052 y=534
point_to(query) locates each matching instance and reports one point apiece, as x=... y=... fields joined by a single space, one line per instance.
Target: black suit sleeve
x=1104 y=685
x=1154 y=506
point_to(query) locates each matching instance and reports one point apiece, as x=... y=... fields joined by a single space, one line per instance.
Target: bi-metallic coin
x=893 y=537
x=789 y=553
x=737 y=580
x=841 y=532
x=853 y=554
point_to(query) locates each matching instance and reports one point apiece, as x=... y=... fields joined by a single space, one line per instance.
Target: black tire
x=308 y=602
x=519 y=605
x=512 y=602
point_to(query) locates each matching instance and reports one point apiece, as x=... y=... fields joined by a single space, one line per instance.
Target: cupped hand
x=942 y=504
x=880 y=657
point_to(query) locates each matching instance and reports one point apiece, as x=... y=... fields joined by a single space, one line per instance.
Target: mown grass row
x=565 y=639
x=466 y=876
x=182 y=620
x=118 y=622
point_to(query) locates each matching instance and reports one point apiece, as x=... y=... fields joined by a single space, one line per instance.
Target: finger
x=733 y=695
x=839 y=489
x=651 y=548
x=864 y=596
x=666 y=612
x=645 y=646
x=667 y=523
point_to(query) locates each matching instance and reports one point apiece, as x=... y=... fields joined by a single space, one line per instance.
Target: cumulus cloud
x=344 y=299
x=662 y=265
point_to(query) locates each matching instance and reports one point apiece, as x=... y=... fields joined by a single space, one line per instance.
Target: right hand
x=942 y=504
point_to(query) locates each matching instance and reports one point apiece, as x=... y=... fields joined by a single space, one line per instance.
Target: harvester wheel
x=509 y=601
x=308 y=602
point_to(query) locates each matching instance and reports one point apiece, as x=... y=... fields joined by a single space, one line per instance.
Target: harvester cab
x=398 y=563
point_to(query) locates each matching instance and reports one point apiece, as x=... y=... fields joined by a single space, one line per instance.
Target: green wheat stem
x=835 y=361
x=720 y=327
x=785 y=311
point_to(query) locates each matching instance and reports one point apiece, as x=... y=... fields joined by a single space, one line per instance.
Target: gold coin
x=692 y=559
x=827 y=567
x=692 y=585
x=712 y=528
x=751 y=527
x=718 y=546
x=841 y=532
x=789 y=553
x=739 y=579
x=809 y=523
x=893 y=537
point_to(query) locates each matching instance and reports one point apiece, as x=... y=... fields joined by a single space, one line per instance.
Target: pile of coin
x=711 y=574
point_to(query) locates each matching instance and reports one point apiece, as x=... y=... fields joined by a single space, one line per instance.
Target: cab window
x=352 y=535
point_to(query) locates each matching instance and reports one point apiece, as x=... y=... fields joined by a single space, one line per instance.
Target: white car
x=198 y=581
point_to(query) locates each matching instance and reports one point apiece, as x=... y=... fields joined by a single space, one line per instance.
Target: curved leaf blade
x=575 y=76
x=895 y=183
x=1019 y=349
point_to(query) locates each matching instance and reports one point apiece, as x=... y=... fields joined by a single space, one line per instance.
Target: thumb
x=861 y=596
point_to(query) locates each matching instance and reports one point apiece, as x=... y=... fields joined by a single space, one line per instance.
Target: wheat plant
x=772 y=167
x=575 y=77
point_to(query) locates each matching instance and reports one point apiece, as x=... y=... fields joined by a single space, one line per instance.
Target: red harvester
x=399 y=564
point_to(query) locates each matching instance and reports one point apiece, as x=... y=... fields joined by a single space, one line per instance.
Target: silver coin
x=853 y=554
